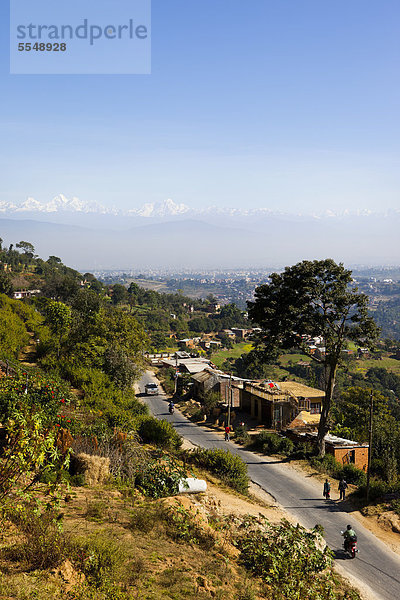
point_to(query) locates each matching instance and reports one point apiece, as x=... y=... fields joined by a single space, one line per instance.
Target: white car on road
x=151 y=389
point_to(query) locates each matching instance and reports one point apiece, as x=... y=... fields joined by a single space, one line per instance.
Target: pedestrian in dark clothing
x=342 y=489
x=227 y=432
x=327 y=490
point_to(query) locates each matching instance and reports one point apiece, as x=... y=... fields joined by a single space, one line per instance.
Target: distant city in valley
x=382 y=285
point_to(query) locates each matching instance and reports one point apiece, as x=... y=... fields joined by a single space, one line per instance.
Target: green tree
x=86 y=303
x=307 y=300
x=6 y=287
x=119 y=294
x=159 y=341
x=13 y=334
x=60 y=286
x=122 y=371
x=30 y=451
x=230 y=316
x=123 y=331
x=27 y=247
x=58 y=318
x=54 y=261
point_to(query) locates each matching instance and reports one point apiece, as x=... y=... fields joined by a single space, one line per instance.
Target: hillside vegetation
x=87 y=475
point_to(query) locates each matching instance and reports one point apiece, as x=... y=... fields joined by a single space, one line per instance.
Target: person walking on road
x=227 y=432
x=327 y=490
x=342 y=489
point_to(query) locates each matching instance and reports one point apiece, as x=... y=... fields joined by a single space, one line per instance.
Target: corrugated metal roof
x=202 y=376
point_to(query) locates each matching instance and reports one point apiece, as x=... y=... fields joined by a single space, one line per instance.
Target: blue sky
x=284 y=104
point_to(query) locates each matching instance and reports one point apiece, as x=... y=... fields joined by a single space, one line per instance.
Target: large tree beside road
x=308 y=300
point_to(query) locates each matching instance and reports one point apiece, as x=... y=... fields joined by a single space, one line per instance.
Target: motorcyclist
x=171 y=406
x=349 y=536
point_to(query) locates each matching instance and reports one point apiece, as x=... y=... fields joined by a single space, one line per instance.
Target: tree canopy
x=313 y=299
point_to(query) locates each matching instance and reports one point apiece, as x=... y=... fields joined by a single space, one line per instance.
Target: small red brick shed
x=346 y=452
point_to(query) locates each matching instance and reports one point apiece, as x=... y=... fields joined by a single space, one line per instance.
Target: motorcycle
x=350 y=546
x=171 y=409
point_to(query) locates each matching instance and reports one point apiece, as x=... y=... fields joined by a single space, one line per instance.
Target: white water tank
x=191 y=485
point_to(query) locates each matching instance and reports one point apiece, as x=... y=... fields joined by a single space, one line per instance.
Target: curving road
x=376 y=569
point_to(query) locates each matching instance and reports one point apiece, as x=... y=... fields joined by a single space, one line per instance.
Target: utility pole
x=229 y=399
x=371 y=411
x=176 y=373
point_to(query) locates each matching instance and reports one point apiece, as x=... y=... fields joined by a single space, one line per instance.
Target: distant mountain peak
x=160 y=209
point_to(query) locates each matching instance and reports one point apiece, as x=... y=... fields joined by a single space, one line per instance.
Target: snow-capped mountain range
x=168 y=234
x=159 y=210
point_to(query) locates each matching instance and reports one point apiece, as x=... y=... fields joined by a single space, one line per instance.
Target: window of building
x=304 y=403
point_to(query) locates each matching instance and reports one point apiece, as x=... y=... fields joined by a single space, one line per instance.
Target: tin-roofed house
x=345 y=452
x=212 y=380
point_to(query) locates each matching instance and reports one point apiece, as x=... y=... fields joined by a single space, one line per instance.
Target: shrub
x=168 y=381
x=160 y=477
x=97 y=557
x=95 y=511
x=198 y=415
x=145 y=518
x=302 y=450
x=241 y=435
x=120 y=368
x=45 y=546
x=272 y=443
x=288 y=558
x=327 y=464
x=182 y=526
x=230 y=468
x=210 y=401
x=395 y=506
x=378 y=489
x=260 y=439
x=63 y=477
x=353 y=475
x=126 y=456
x=161 y=433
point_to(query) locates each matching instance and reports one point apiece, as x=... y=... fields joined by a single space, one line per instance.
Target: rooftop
x=334 y=440
x=292 y=388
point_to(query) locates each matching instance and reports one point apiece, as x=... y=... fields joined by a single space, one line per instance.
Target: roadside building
x=305 y=421
x=276 y=404
x=186 y=364
x=345 y=452
x=212 y=380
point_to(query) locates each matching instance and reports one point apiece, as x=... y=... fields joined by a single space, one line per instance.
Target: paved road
x=376 y=568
